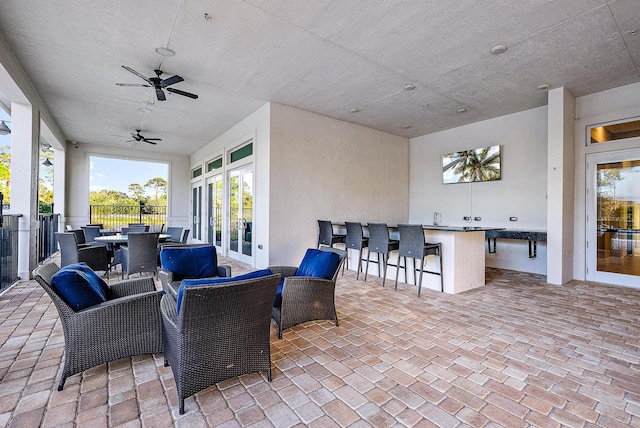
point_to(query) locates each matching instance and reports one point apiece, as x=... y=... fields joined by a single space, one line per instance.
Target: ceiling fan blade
x=148 y=140
x=136 y=73
x=152 y=139
x=179 y=92
x=171 y=80
x=160 y=95
x=141 y=85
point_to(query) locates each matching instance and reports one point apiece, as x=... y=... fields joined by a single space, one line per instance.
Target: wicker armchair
x=171 y=280
x=306 y=298
x=222 y=331
x=127 y=324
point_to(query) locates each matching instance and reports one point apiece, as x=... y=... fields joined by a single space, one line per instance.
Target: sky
x=118 y=174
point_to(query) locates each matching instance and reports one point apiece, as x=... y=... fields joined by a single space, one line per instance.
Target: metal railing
x=115 y=217
x=8 y=250
x=47 y=243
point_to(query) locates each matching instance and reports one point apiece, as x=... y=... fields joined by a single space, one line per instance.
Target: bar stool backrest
x=325 y=234
x=354 y=237
x=378 y=237
x=411 y=240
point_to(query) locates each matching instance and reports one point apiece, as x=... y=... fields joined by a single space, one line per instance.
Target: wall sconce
x=47 y=162
x=4 y=129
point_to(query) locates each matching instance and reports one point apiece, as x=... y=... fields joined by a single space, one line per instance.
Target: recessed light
x=354 y=110
x=497 y=50
x=543 y=87
x=406 y=127
x=409 y=87
x=462 y=110
x=164 y=51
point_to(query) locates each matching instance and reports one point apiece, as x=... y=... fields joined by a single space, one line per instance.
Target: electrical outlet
x=513 y=218
x=477 y=218
x=465 y=218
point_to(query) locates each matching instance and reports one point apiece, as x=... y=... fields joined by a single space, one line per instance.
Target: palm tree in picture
x=479 y=165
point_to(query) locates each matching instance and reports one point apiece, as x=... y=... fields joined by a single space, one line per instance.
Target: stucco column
x=59 y=187
x=25 y=146
x=560 y=185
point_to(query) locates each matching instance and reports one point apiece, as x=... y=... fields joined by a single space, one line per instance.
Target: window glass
x=213 y=165
x=241 y=153
x=196 y=172
x=614 y=131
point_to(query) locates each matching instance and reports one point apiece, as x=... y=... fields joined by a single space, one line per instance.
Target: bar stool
x=326 y=235
x=380 y=243
x=412 y=244
x=355 y=240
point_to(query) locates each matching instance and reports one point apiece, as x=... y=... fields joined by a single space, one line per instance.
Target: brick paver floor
x=517 y=352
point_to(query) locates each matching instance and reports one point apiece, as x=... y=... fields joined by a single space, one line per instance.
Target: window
x=196 y=172
x=241 y=153
x=213 y=165
x=614 y=131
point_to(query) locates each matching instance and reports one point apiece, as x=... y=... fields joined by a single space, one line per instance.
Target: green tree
x=137 y=190
x=478 y=165
x=158 y=185
x=111 y=197
x=5 y=173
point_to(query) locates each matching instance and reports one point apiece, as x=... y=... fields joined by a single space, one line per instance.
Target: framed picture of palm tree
x=469 y=166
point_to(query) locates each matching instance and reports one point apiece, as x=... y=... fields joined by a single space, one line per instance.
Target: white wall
x=601 y=107
x=520 y=193
x=323 y=168
x=77 y=180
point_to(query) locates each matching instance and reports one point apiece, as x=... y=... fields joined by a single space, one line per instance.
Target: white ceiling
x=326 y=56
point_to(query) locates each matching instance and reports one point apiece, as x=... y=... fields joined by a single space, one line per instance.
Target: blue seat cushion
x=318 y=264
x=221 y=280
x=190 y=262
x=79 y=286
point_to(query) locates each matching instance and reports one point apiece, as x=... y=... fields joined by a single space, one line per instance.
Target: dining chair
x=380 y=243
x=413 y=245
x=140 y=254
x=185 y=236
x=134 y=229
x=95 y=256
x=175 y=234
x=90 y=233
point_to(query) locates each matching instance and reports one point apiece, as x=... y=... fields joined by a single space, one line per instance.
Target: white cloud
x=96 y=188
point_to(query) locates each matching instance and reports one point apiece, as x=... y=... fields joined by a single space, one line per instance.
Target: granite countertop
x=461 y=228
x=529 y=235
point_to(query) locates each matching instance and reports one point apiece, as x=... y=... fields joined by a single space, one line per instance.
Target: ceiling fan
x=158 y=84
x=139 y=137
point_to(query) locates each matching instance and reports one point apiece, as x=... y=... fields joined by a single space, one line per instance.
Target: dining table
x=123 y=239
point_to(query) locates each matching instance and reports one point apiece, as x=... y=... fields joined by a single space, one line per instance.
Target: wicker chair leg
x=61 y=384
x=280 y=330
x=181 y=406
x=166 y=363
x=269 y=374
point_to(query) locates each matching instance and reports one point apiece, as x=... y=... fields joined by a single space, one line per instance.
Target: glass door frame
x=239 y=254
x=196 y=211
x=592 y=272
x=210 y=198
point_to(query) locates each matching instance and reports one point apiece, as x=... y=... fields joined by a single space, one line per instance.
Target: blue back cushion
x=79 y=286
x=211 y=281
x=190 y=262
x=318 y=264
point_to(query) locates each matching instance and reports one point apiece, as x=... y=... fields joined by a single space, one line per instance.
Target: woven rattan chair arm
x=132 y=286
x=130 y=306
x=168 y=309
x=224 y=271
x=284 y=271
x=166 y=277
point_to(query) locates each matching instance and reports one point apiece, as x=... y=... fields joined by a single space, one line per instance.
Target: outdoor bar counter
x=463 y=258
